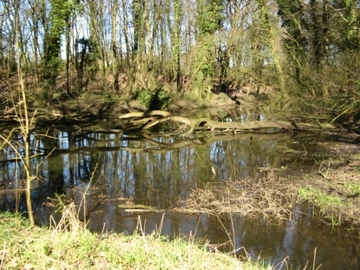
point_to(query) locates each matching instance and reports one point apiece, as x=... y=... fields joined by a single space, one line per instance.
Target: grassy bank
x=334 y=189
x=70 y=246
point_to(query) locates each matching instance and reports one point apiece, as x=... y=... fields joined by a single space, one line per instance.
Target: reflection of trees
x=140 y=177
x=154 y=178
x=121 y=161
x=295 y=239
x=152 y=170
x=240 y=158
x=202 y=163
x=176 y=177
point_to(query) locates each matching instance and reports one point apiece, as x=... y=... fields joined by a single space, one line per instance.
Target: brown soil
x=92 y=101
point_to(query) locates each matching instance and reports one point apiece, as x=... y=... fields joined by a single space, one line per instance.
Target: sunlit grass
x=25 y=247
x=320 y=198
x=330 y=205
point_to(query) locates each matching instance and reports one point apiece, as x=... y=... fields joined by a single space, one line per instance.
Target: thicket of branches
x=304 y=50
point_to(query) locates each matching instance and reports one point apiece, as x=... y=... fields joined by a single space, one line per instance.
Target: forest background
x=304 y=51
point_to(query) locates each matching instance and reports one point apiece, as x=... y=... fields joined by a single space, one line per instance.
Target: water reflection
x=160 y=172
x=157 y=172
x=295 y=240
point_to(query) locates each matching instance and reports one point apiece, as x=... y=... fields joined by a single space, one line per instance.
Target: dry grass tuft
x=69 y=220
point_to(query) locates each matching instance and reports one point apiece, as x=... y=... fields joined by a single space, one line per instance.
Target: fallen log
x=145 y=114
x=145 y=120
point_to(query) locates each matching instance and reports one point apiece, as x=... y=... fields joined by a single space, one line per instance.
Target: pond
x=101 y=170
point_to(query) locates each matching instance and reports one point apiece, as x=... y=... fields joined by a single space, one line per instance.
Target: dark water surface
x=111 y=168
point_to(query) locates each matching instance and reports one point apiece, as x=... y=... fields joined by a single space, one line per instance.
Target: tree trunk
x=115 y=60
x=23 y=116
x=176 y=42
x=273 y=38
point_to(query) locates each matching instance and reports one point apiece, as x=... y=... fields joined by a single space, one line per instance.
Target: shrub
x=153 y=99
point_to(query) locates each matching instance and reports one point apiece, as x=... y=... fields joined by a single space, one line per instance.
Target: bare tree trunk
x=125 y=32
x=114 y=47
x=176 y=41
x=97 y=33
x=35 y=37
x=68 y=54
x=24 y=116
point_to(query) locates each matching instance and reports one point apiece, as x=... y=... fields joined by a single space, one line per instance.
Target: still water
x=109 y=168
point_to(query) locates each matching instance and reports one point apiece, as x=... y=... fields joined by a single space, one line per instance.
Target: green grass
x=318 y=197
x=25 y=247
x=330 y=206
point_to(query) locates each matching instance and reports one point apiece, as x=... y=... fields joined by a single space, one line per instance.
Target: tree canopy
x=303 y=50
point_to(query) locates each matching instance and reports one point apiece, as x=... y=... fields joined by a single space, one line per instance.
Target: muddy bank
x=332 y=187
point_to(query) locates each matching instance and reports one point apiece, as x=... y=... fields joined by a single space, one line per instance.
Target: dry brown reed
x=269 y=197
